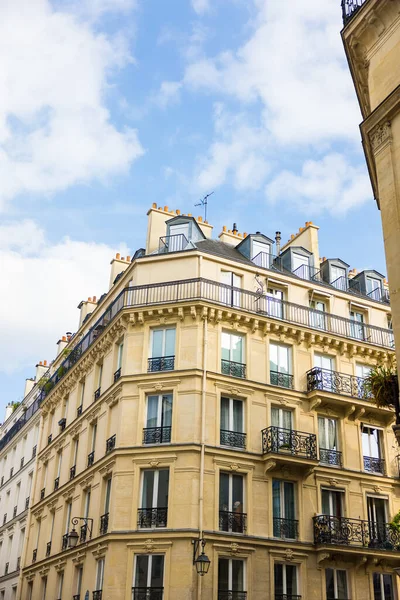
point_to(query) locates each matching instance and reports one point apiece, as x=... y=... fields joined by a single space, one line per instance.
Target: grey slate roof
x=226 y=251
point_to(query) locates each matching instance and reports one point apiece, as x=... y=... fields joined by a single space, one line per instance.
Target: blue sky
x=111 y=105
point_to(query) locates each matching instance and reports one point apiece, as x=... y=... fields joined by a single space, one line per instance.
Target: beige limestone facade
x=371 y=38
x=216 y=392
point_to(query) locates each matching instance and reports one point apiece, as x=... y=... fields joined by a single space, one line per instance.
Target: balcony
x=233 y=369
x=97 y=595
x=5 y=518
x=308 y=273
x=104 y=523
x=156 y=435
x=286 y=528
x=79 y=411
x=90 y=459
x=48 y=548
x=15 y=511
x=172 y=243
x=110 y=443
x=50 y=438
x=6 y=567
x=34 y=449
x=56 y=483
x=97 y=394
x=288 y=597
x=21 y=463
x=235 y=522
x=11 y=472
x=34 y=555
x=281 y=379
x=336 y=383
x=2 y=480
x=84 y=532
x=374 y=465
x=76 y=597
x=152 y=518
x=330 y=457
x=18 y=563
x=62 y=423
x=42 y=493
x=117 y=374
x=64 y=542
x=231 y=595
x=340 y=531
x=233 y=439
x=72 y=472
x=161 y=363
x=287 y=446
x=147 y=593
x=350 y=8
x=27 y=502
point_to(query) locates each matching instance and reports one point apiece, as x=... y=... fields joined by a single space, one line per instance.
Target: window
x=99 y=374
x=317 y=316
x=328 y=442
x=79 y=577
x=231 y=511
x=377 y=519
x=336 y=584
x=280 y=366
x=284 y=511
x=231 y=578
x=285 y=578
x=44 y=587
x=323 y=361
x=383 y=586
x=100 y=574
x=332 y=503
x=68 y=516
x=300 y=265
x=159 y=419
x=232 y=423
x=357 y=326
x=154 y=509
x=107 y=496
x=60 y=584
x=390 y=335
x=262 y=253
x=336 y=274
x=149 y=575
x=228 y=295
x=374 y=287
x=81 y=396
x=232 y=353
x=282 y=418
x=362 y=371
x=274 y=303
x=162 y=350
x=325 y=365
x=88 y=494
x=372 y=450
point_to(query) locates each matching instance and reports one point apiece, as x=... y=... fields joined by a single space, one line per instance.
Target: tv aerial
x=204 y=202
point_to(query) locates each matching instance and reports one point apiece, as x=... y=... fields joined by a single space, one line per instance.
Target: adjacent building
x=216 y=393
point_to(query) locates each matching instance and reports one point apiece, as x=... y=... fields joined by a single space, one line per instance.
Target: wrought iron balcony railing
x=287 y=597
x=235 y=522
x=117 y=374
x=156 y=435
x=374 y=465
x=161 y=363
x=15 y=511
x=97 y=595
x=72 y=472
x=110 y=443
x=76 y=597
x=79 y=411
x=104 y=523
x=289 y=442
x=341 y=531
x=42 y=493
x=233 y=369
x=84 y=532
x=308 y=273
x=64 y=542
x=97 y=394
x=56 y=483
x=27 y=502
x=34 y=555
x=11 y=472
x=48 y=548
x=286 y=528
x=5 y=518
x=231 y=595
x=282 y=379
x=330 y=457
x=50 y=439
x=337 y=383
x=350 y=8
x=172 y=243
x=233 y=439
x=34 y=449
x=90 y=459
x=147 y=593
x=152 y=518
x=2 y=480
x=21 y=464
x=18 y=563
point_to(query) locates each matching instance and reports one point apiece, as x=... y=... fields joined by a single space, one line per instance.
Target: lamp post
x=201 y=561
x=73 y=535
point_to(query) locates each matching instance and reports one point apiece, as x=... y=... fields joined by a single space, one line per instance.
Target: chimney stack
x=278 y=242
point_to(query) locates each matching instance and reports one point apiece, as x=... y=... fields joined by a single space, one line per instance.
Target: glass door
x=284 y=511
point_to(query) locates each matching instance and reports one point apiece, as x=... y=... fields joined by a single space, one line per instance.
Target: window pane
x=278 y=578
x=226 y=346
x=163 y=479
x=273 y=357
x=148 y=486
x=326 y=506
x=289 y=500
x=237 y=493
x=276 y=498
x=275 y=417
x=388 y=586
x=377 y=587
x=166 y=411
x=330 y=586
x=291 y=580
x=157 y=343
x=237 y=415
x=237 y=575
x=223 y=574
x=157 y=571
x=152 y=410
x=322 y=433
x=224 y=491
x=283 y=359
x=286 y=419
x=341 y=584
x=237 y=349
x=142 y=562
x=225 y=413
x=169 y=342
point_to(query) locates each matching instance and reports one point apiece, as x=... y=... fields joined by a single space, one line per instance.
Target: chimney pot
x=128 y=258
x=40 y=362
x=64 y=339
x=245 y=234
x=89 y=299
x=178 y=212
x=118 y=256
x=200 y=219
x=189 y=214
x=122 y=258
x=166 y=208
x=154 y=205
x=45 y=363
x=224 y=228
x=159 y=208
x=234 y=228
x=292 y=236
x=229 y=230
x=94 y=299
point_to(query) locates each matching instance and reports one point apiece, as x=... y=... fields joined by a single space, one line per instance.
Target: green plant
x=394 y=524
x=48 y=386
x=42 y=382
x=61 y=371
x=381 y=385
x=15 y=405
x=66 y=352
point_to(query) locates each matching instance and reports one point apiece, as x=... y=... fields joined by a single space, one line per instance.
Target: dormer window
x=257 y=248
x=182 y=234
x=337 y=273
x=374 y=288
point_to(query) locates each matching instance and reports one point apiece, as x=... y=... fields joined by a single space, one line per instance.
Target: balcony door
x=231 y=578
x=162 y=349
x=328 y=441
x=286 y=581
x=326 y=365
x=231 y=502
x=228 y=295
x=274 y=303
x=372 y=449
x=383 y=586
x=284 y=510
x=332 y=503
x=153 y=512
x=280 y=365
x=149 y=577
x=317 y=315
x=232 y=354
x=232 y=423
x=377 y=519
x=357 y=325
x=336 y=584
x=159 y=419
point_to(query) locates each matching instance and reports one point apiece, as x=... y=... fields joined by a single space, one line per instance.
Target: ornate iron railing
x=308 y=273
x=289 y=441
x=21 y=464
x=4 y=518
x=50 y=439
x=151 y=518
x=350 y=8
x=64 y=542
x=79 y=411
x=76 y=597
x=48 y=548
x=282 y=379
x=11 y=472
x=332 y=530
x=233 y=439
x=287 y=597
x=337 y=383
x=42 y=493
x=286 y=528
x=161 y=363
x=374 y=465
x=110 y=443
x=104 y=523
x=84 y=532
x=34 y=449
x=72 y=472
x=34 y=555
x=330 y=457
x=97 y=595
x=27 y=502
x=156 y=435
x=117 y=374
x=147 y=593
x=233 y=369
x=97 y=394
x=18 y=563
x=90 y=459
x=172 y=243
x=56 y=483
x=231 y=595
x=232 y=521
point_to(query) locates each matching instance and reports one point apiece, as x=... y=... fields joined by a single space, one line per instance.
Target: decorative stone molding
x=68 y=495
x=381 y=134
x=30 y=576
x=158 y=386
x=107 y=469
x=60 y=565
x=100 y=550
x=236 y=467
x=79 y=558
x=93 y=415
x=44 y=571
x=87 y=482
x=45 y=457
x=112 y=399
x=75 y=431
x=52 y=505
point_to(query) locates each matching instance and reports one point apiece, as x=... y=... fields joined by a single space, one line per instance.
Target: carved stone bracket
x=380 y=135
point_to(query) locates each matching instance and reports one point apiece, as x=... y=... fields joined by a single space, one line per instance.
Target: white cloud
x=201 y=6
x=55 y=129
x=169 y=93
x=331 y=185
x=41 y=284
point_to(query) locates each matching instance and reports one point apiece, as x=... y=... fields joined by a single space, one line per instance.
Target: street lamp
x=73 y=535
x=202 y=562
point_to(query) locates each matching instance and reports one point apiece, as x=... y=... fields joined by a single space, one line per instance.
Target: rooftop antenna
x=203 y=202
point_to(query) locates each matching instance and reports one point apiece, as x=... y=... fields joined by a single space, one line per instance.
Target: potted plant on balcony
x=394 y=531
x=382 y=386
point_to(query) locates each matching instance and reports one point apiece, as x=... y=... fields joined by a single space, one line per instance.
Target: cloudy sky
x=109 y=105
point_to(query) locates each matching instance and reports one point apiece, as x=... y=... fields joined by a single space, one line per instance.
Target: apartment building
x=19 y=437
x=213 y=401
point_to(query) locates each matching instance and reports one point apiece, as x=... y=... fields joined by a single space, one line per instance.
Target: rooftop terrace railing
x=349 y=9
x=211 y=291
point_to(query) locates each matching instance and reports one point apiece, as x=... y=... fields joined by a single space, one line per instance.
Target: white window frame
x=284 y=579
x=394 y=587
x=154 y=501
x=380 y=440
x=163 y=329
x=119 y=355
x=231 y=336
x=149 y=568
x=100 y=573
x=326 y=428
x=230 y=412
x=330 y=492
x=280 y=416
x=60 y=584
x=230 y=571
x=230 y=490
x=159 y=407
x=289 y=351
x=335 y=584
x=107 y=495
x=385 y=503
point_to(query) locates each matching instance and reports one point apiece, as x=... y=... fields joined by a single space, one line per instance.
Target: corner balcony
x=289 y=447
x=233 y=439
x=350 y=8
x=341 y=531
x=157 y=435
x=161 y=363
x=336 y=383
